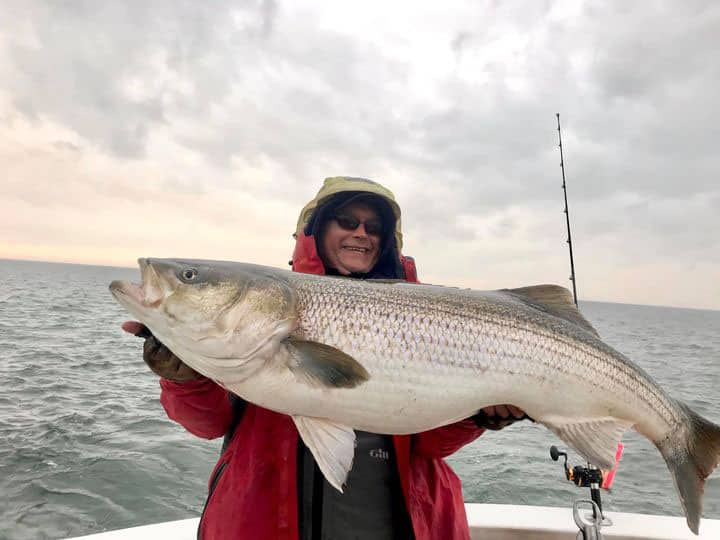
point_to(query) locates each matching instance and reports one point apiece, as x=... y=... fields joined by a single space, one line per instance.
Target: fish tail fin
x=692 y=453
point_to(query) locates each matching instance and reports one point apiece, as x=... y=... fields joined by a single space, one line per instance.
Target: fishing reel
x=593 y=478
x=579 y=475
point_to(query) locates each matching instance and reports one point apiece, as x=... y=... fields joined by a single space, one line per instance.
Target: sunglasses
x=350 y=223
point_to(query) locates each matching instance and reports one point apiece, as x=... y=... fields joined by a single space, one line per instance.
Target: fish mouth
x=148 y=293
x=127 y=292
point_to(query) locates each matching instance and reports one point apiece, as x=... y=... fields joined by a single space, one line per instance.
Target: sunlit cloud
x=173 y=128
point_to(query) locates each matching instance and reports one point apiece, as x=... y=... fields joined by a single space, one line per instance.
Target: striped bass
x=339 y=354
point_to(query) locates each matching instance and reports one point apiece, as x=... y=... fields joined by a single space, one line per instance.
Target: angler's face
x=351 y=241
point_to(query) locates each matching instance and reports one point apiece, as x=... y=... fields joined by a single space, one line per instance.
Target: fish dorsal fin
x=332 y=445
x=555 y=300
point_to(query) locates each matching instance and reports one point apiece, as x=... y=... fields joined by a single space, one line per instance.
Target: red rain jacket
x=253 y=488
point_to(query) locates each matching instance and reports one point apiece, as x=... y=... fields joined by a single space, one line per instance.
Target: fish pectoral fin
x=555 y=300
x=317 y=364
x=332 y=445
x=594 y=438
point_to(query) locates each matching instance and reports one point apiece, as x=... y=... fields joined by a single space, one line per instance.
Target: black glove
x=159 y=358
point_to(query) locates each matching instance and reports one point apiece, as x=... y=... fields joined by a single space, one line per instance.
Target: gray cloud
x=67 y=147
x=78 y=62
x=265 y=85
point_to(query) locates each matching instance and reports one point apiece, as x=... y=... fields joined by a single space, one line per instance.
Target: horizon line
x=581 y=300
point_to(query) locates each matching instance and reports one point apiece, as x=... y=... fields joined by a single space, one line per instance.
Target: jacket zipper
x=213 y=485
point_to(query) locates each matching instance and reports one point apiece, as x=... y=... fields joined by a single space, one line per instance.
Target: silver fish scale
x=456 y=335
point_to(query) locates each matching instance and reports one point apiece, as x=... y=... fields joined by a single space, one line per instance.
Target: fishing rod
x=583 y=476
x=567 y=212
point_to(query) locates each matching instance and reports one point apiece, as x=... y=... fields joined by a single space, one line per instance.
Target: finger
x=151 y=348
x=516 y=411
x=165 y=357
x=132 y=327
x=137 y=329
x=502 y=411
x=490 y=411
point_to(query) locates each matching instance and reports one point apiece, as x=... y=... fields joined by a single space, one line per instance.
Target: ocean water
x=85 y=445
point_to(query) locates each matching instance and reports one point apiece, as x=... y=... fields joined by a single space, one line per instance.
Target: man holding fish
x=267 y=483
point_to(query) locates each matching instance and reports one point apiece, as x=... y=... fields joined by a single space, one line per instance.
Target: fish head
x=218 y=317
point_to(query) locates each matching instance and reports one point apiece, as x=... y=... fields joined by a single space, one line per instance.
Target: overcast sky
x=199 y=129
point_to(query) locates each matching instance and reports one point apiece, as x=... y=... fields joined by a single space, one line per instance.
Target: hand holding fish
x=158 y=357
x=497 y=417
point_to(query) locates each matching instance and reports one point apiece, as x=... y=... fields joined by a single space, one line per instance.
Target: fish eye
x=188 y=274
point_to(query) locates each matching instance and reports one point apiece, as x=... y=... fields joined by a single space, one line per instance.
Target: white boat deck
x=489 y=522
x=510 y=522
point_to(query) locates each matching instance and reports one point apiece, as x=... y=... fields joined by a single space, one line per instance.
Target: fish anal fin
x=332 y=445
x=317 y=364
x=555 y=300
x=593 y=438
